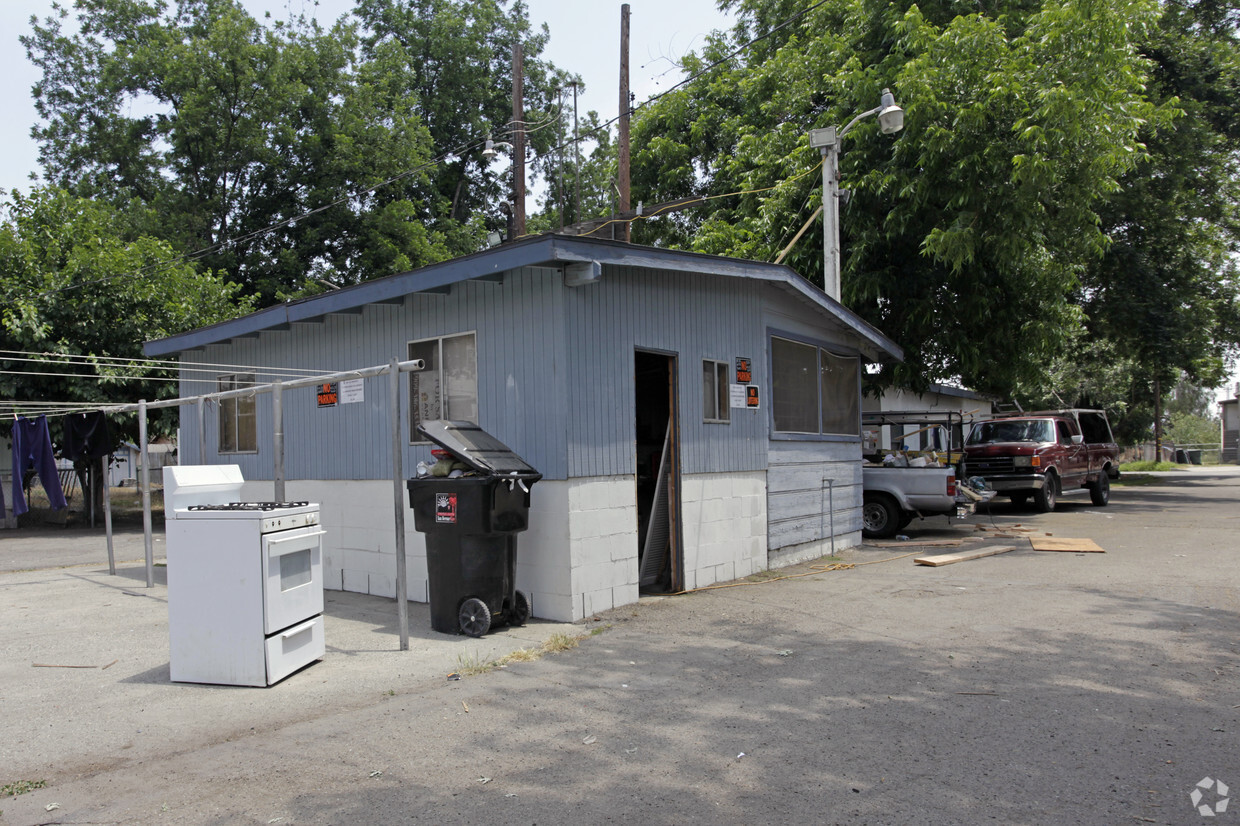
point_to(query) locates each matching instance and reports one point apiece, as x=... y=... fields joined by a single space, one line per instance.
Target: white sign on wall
x=352 y=391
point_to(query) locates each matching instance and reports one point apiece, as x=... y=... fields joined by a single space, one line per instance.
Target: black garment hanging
x=87 y=436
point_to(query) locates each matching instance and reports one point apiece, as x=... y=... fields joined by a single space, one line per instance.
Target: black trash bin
x=471 y=523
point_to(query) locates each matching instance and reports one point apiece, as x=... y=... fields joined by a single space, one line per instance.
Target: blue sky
x=585 y=38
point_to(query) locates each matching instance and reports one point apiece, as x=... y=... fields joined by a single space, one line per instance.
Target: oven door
x=293 y=577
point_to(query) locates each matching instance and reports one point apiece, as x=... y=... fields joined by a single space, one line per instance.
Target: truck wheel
x=1044 y=497
x=1100 y=491
x=880 y=516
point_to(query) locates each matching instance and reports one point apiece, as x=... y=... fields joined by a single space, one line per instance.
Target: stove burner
x=248 y=506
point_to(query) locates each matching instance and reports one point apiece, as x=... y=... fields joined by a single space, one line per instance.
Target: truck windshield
x=1028 y=430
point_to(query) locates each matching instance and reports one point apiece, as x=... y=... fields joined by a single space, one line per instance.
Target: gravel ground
x=1028 y=687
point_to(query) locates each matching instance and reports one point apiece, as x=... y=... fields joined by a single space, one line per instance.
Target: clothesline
x=154 y=364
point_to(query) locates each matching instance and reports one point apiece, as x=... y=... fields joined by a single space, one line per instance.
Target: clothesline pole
x=277 y=440
x=201 y=404
x=107 y=514
x=144 y=458
x=402 y=583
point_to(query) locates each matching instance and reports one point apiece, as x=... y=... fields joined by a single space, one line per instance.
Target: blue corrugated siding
x=520 y=356
x=555 y=372
x=692 y=316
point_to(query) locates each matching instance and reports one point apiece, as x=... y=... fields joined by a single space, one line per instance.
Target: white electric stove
x=245 y=580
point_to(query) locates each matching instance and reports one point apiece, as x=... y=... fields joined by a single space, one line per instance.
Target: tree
x=290 y=155
x=79 y=278
x=450 y=61
x=966 y=234
x=1167 y=291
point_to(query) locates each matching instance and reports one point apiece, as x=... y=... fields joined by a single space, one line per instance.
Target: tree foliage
x=1167 y=292
x=287 y=154
x=78 y=277
x=968 y=235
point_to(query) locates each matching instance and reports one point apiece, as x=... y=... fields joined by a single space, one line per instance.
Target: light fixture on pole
x=489 y=150
x=890 y=121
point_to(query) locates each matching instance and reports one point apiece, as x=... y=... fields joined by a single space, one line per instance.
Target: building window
x=238 y=416
x=814 y=391
x=447 y=388
x=715 y=407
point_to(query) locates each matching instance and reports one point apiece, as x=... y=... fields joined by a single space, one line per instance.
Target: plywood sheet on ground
x=964 y=556
x=1062 y=543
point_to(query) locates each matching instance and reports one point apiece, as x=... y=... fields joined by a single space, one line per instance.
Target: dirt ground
x=1026 y=687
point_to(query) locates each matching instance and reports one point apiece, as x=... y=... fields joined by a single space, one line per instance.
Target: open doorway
x=660 y=558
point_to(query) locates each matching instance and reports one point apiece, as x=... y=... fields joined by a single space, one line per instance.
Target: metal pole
x=202 y=431
x=277 y=439
x=144 y=457
x=107 y=515
x=402 y=587
x=622 y=144
x=829 y=146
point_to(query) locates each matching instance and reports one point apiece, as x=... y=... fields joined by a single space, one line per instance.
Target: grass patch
x=1145 y=467
x=21 y=787
x=469 y=665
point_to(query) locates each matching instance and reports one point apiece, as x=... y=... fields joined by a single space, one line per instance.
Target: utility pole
x=518 y=146
x=623 y=131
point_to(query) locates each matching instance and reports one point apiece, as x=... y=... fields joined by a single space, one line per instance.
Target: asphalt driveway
x=1027 y=687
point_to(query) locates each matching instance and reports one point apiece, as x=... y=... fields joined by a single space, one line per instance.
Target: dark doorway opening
x=660 y=560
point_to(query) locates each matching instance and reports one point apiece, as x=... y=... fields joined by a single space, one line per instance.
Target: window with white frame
x=447 y=388
x=715 y=407
x=238 y=416
x=814 y=391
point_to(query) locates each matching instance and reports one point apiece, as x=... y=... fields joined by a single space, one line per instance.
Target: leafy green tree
x=965 y=234
x=227 y=127
x=450 y=63
x=1167 y=291
x=79 y=278
x=581 y=180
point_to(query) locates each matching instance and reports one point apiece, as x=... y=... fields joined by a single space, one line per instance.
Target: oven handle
x=274 y=541
x=298 y=629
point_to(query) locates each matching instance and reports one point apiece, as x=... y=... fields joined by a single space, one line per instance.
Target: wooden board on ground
x=929 y=543
x=1061 y=543
x=963 y=556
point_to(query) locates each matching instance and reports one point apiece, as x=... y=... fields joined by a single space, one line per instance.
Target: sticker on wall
x=327 y=395
x=445 y=507
x=751 y=396
x=352 y=391
x=744 y=375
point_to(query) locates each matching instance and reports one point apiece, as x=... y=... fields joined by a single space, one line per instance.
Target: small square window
x=715 y=391
x=238 y=416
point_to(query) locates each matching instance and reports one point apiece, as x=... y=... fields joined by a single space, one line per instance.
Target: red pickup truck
x=1044 y=454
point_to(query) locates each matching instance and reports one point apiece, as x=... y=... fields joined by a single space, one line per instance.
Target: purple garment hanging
x=32 y=446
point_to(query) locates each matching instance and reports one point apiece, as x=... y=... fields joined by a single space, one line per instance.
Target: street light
x=890 y=121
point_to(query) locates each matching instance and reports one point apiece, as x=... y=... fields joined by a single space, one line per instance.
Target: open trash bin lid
x=476 y=448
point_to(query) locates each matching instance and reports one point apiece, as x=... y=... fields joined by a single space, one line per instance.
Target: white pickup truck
x=910 y=470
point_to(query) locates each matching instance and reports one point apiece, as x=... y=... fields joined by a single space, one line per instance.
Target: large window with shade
x=814 y=392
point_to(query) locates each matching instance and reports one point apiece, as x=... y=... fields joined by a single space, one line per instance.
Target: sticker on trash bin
x=445 y=507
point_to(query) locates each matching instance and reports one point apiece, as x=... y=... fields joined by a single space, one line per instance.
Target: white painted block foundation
x=579 y=555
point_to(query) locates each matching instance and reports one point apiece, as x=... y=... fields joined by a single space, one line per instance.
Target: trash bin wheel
x=475 y=617
x=519 y=613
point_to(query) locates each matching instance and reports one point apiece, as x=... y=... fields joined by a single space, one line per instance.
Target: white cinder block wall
x=579 y=555
x=724 y=517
